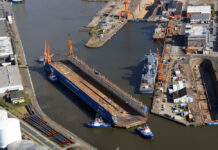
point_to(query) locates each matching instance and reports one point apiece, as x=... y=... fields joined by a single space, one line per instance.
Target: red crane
x=47 y=55
x=70 y=48
x=171 y=59
x=45 y=51
x=164 y=7
x=126 y=11
x=161 y=77
x=170 y=29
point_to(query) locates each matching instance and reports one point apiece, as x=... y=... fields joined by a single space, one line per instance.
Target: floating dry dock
x=115 y=105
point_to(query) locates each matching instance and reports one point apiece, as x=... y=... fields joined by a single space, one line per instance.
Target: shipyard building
x=174 y=7
x=198 y=10
x=200 y=18
x=5 y=47
x=10 y=79
x=10 y=84
x=198 y=37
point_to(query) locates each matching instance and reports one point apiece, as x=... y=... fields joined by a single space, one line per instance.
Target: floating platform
x=160 y=31
x=115 y=105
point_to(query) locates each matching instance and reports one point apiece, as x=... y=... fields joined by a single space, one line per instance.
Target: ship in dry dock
x=149 y=74
x=115 y=105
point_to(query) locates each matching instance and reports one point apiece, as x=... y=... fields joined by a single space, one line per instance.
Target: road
x=36 y=134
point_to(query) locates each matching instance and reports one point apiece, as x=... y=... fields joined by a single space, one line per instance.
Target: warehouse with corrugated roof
x=10 y=79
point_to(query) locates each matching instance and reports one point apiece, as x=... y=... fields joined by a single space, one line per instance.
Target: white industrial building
x=5 y=47
x=25 y=145
x=3 y=28
x=175 y=87
x=198 y=35
x=200 y=18
x=9 y=131
x=3 y=114
x=182 y=96
x=198 y=10
x=10 y=79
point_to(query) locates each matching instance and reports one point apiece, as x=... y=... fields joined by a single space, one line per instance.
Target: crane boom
x=164 y=7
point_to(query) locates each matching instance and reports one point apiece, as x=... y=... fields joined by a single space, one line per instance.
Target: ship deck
x=127 y=116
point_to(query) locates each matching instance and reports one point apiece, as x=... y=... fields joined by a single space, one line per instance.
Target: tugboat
x=40 y=59
x=52 y=77
x=145 y=132
x=98 y=123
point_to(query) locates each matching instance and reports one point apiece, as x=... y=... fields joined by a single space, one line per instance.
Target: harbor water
x=119 y=60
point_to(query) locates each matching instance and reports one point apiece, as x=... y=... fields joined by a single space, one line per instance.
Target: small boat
x=52 y=77
x=17 y=1
x=211 y=123
x=41 y=59
x=98 y=123
x=145 y=132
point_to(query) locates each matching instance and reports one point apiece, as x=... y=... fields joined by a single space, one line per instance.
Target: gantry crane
x=126 y=11
x=48 y=56
x=170 y=28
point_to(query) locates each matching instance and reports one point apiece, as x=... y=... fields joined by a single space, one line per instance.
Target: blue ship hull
x=81 y=94
x=147 y=91
x=211 y=123
x=147 y=136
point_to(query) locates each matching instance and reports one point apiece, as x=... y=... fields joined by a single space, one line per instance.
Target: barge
x=115 y=105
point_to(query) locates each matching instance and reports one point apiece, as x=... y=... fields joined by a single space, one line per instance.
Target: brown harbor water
x=57 y=21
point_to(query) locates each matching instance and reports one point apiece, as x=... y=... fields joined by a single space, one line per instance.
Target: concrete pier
x=106 y=23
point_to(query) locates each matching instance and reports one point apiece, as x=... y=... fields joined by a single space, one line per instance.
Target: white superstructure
x=9 y=131
x=3 y=114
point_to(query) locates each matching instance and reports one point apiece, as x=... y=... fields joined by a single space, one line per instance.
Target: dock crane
x=47 y=55
x=164 y=7
x=170 y=58
x=161 y=77
x=126 y=11
x=70 y=48
x=45 y=52
x=170 y=29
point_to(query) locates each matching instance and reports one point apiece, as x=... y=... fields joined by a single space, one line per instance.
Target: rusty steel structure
x=161 y=77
